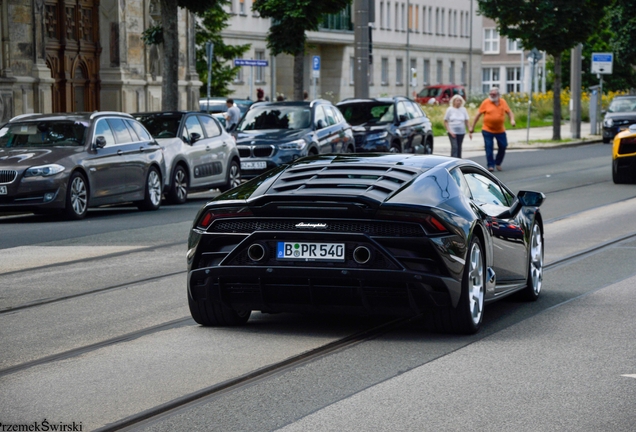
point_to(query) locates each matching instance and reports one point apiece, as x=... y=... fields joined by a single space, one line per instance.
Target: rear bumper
x=317 y=289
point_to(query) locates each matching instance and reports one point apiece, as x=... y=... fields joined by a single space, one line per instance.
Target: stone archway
x=72 y=53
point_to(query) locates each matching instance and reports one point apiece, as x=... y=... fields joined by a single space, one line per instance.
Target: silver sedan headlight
x=377 y=136
x=44 y=170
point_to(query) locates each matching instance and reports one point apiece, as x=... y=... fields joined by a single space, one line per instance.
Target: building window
x=416 y=25
x=413 y=70
x=242 y=7
x=463 y=73
x=385 y=71
x=491 y=41
x=455 y=23
x=451 y=72
x=430 y=20
x=238 y=79
x=436 y=21
x=388 y=16
x=399 y=72
x=489 y=78
x=352 y=68
x=381 y=15
x=440 y=71
x=514 y=46
x=426 y=75
x=403 y=17
x=442 y=29
x=410 y=17
x=513 y=80
x=260 y=71
x=397 y=17
x=424 y=28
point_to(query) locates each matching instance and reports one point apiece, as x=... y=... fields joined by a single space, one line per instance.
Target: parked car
x=371 y=234
x=620 y=115
x=624 y=156
x=217 y=107
x=396 y=125
x=199 y=152
x=440 y=94
x=275 y=133
x=69 y=162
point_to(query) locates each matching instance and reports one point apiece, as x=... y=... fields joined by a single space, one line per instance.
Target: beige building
x=85 y=55
x=439 y=46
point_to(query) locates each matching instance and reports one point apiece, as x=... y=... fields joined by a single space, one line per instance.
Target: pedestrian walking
x=494 y=110
x=232 y=116
x=456 y=122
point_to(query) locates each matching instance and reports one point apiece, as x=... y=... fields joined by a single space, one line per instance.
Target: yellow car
x=624 y=156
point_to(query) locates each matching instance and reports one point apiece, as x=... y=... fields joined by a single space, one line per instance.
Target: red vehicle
x=439 y=94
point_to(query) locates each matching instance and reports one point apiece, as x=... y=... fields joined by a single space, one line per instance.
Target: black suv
x=396 y=125
x=274 y=133
x=620 y=115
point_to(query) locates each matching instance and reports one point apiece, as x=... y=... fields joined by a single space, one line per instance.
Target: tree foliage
x=553 y=26
x=291 y=19
x=213 y=21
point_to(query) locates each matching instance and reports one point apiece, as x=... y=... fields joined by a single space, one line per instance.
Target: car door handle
x=224 y=144
x=119 y=152
x=207 y=148
x=141 y=149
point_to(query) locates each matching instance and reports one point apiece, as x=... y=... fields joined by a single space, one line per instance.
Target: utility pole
x=470 y=51
x=575 y=91
x=361 y=39
x=407 y=66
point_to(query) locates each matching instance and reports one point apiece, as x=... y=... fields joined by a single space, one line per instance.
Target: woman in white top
x=456 y=123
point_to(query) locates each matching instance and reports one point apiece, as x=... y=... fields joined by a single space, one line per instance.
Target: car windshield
x=430 y=92
x=623 y=105
x=276 y=117
x=161 y=126
x=43 y=134
x=368 y=113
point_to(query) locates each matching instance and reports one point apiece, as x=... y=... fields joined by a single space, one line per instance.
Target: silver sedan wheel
x=154 y=187
x=79 y=194
x=476 y=284
x=234 y=176
x=536 y=259
x=181 y=184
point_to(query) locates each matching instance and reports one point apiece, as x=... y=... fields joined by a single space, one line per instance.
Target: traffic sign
x=535 y=55
x=243 y=62
x=602 y=63
x=315 y=62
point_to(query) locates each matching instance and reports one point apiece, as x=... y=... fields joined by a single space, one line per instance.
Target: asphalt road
x=94 y=328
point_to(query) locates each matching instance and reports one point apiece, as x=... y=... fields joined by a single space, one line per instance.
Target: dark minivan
x=275 y=133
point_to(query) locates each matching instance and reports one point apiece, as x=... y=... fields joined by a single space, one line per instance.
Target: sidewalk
x=517 y=140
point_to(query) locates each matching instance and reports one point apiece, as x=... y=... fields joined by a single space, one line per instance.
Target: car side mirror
x=402 y=118
x=603 y=112
x=523 y=198
x=194 y=137
x=320 y=124
x=100 y=142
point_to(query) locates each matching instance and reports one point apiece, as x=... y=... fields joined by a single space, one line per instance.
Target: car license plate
x=311 y=251
x=253 y=165
x=3 y=190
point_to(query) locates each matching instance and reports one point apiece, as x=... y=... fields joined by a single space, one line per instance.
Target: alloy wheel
x=79 y=194
x=181 y=184
x=154 y=187
x=476 y=284
x=234 y=176
x=536 y=260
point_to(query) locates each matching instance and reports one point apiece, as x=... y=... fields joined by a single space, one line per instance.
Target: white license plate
x=3 y=190
x=253 y=165
x=311 y=251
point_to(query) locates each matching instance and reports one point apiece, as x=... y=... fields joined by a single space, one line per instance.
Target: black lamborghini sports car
x=395 y=234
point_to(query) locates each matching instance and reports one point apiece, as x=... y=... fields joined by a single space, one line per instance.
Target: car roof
x=379 y=99
x=73 y=116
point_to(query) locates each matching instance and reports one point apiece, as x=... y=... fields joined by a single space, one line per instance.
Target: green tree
x=553 y=26
x=215 y=20
x=170 y=71
x=291 y=19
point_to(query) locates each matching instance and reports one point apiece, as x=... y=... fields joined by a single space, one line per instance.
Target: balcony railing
x=340 y=21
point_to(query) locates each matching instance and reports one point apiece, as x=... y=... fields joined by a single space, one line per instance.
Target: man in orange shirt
x=494 y=110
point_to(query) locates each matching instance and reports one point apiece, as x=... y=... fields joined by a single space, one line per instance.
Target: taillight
x=220 y=213
x=431 y=224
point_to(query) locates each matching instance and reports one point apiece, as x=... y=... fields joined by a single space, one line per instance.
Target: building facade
x=439 y=40
x=86 y=55
x=505 y=64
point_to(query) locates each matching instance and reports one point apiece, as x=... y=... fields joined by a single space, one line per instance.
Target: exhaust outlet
x=256 y=252
x=361 y=255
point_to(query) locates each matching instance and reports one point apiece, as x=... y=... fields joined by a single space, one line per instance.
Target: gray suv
x=199 y=153
x=68 y=162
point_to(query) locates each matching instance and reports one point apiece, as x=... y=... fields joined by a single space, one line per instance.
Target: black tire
x=606 y=140
x=212 y=314
x=233 y=177
x=619 y=177
x=76 y=197
x=395 y=148
x=535 y=266
x=178 y=193
x=467 y=317
x=428 y=146
x=152 y=192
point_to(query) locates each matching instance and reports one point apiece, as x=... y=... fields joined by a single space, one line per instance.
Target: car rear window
x=161 y=126
x=367 y=112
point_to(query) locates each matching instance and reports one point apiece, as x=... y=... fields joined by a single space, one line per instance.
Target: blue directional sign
x=244 y=62
x=316 y=63
x=602 y=63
